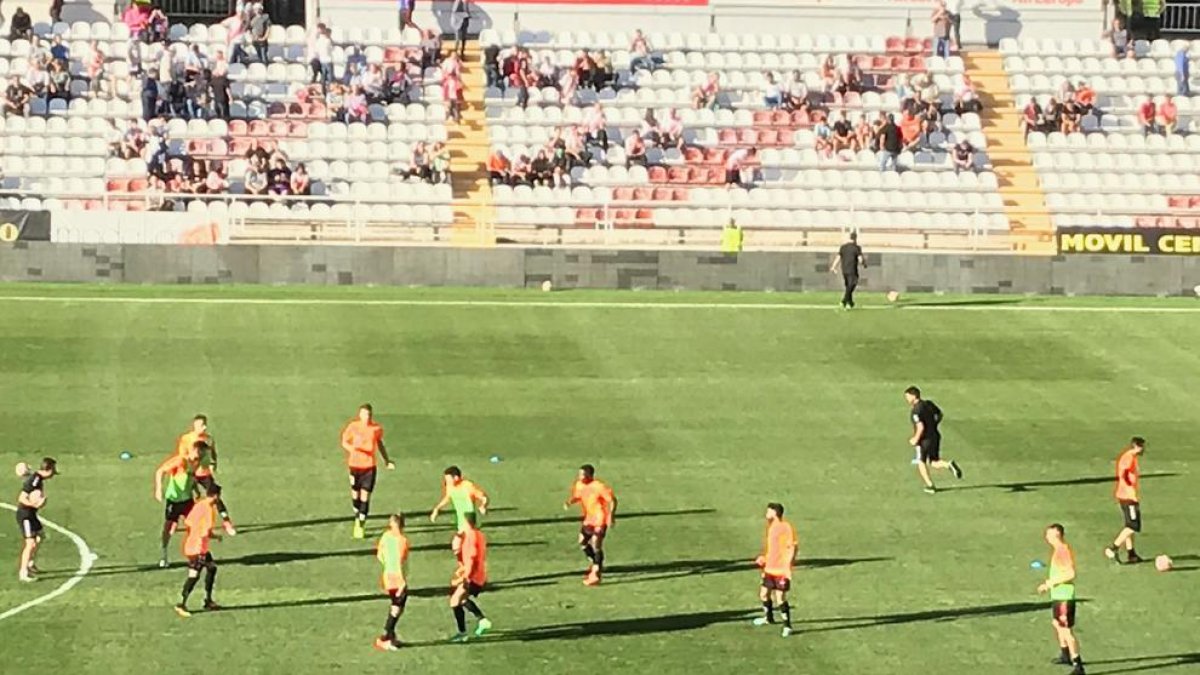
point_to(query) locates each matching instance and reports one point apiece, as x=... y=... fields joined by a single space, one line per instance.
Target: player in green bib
x=1061 y=587
x=465 y=496
x=175 y=486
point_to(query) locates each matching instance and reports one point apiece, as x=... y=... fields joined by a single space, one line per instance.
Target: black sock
x=589 y=552
x=1066 y=654
x=599 y=561
x=1078 y=660
x=363 y=509
x=769 y=611
x=786 y=610
x=188 y=585
x=210 y=580
x=473 y=608
x=357 y=506
x=460 y=619
x=224 y=512
x=389 y=627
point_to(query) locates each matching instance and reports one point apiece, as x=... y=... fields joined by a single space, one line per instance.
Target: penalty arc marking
x=86 y=559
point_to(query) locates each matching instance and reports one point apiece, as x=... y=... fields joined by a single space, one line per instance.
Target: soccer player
x=927 y=439
x=392 y=553
x=361 y=439
x=207 y=464
x=199 y=522
x=1061 y=587
x=30 y=500
x=779 y=554
x=599 y=506
x=1128 y=496
x=470 y=577
x=179 y=472
x=465 y=495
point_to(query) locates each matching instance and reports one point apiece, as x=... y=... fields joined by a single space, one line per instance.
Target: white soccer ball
x=1163 y=563
x=21 y=469
x=1196 y=290
x=547 y=286
x=893 y=296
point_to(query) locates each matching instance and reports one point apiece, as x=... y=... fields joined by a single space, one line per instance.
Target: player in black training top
x=32 y=498
x=927 y=438
x=849 y=259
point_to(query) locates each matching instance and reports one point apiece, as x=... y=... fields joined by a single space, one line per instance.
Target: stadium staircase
x=1024 y=199
x=474 y=213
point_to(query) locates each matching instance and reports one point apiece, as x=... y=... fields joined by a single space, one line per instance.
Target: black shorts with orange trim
x=173 y=511
x=772 y=582
x=1064 y=613
x=597 y=531
x=362 y=479
x=474 y=589
x=199 y=562
x=208 y=482
x=1132 y=513
x=399 y=596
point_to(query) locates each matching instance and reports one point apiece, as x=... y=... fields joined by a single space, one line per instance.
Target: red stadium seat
x=1194 y=202
x=679 y=195
x=768 y=137
x=693 y=155
x=1178 y=201
x=642 y=194
x=238 y=128
x=118 y=185
x=852 y=99
x=277 y=109
x=138 y=185
x=780 y=118
x=623 y=194
x=662 y=194
x=787 y=138
x=259 y=128
x=279 y=128
x=894 y=44
x=762 y=117
x=912 y=45
x=658 y=174
x=716 y=176
x=727 y=137
x=800 y=118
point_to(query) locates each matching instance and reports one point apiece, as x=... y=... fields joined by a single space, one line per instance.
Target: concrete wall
x=518 y=267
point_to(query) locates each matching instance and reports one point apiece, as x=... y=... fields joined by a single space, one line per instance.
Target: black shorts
x=362 y=479
x=589 y=531
x=31 y=526
x=199 y=562
x=929 y=449
x=1132 y=512
x=399 y=597
x=207 y=482
x=176 y=510
x=1064 y=613
x=473 y=590
x=774 y=583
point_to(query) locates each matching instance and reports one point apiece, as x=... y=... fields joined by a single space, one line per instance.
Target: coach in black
x=849 y=260
x=927 y=438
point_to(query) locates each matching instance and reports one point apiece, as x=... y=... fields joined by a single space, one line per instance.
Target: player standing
x=779 y=554
x=392 y=553
x=1128 y=495
x=361 y=439
x=599 y=506
x=470 y=577
x=199 y=522
x=927 y=439
x=30 y=500
x=463 y=494
x=1061 y=586
x=180 y=474
x=849 y=260
x=207 y=466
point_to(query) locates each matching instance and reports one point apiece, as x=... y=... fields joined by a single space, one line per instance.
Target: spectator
x=491 y=66
x=739 y=161
x=149 y=96
x=1052 y=114
x=966 y=100
x=864 y=135
x=648 y=127
x=158 y=26
x=215 y=182
x=97 y=71
x=440 y=163
x=954 y=12
x=255 y=180
x=20 y=26
x=1085 y=99
x=890 y=144
x=931 y=119
x=59 y=51
x=177 y=99
x=320 y=56
x=452 y=93
x=604 y=75
x=542 y=168
x=1146 y=115
x=219 y=94
x=398 y=87
x=1070 y=116
x=911 y=128
x=198 y=102
x=568 y=85
x=828 y=74
x=522 y=171
x=131 y=142
x=1032 y=118
x=431 y=49
x=642 y=56
x=635 y=151
x=498 y=169
x=547 y=73
x=1183 y=72
x=522 y=80
x=58 y=82
x=356 y=107
x=596 y=123
x=406 y=14
x=461 y=17
x=585 y=69
x=373 y=84
x=279 y=177
x=576 y=151
x=705 y=96
x=260 y=26
x=795 y=92
x=1166 y=116
x=56 y=8
x=299 y=183
x=197 y=182
x=843 y=134
x=36 y=79
x=419 y=165
x=335 y=102
x=823 y=138
x=17 y=97
x=1118 y=36
x=941 y=30
x=963 y=156
x=772 y=94
x=671 y=131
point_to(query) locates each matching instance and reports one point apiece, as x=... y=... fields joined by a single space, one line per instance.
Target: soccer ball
x=547 y=285
x=1163 y=563
x=893 y=296
x=21 y=469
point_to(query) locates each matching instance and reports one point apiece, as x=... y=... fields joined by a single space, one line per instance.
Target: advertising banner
x=1121 y=241
x=136 y=227
x=24 y=225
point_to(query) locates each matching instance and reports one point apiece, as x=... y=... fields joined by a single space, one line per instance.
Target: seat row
x=709 y=41
x=1128 y=182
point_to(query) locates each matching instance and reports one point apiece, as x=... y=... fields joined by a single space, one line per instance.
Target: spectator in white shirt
x=739 y=160
x=641 y=56
x=954 y=10
x=772 y=94
x=321 y=56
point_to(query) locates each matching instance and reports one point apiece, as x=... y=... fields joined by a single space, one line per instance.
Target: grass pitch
x=697 y=416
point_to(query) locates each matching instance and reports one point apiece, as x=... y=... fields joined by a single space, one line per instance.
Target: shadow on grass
x=1140 y=664
x=967 y=302
x=574 y=517
x=1033 y=485
x=949 y=614
x=670 y=623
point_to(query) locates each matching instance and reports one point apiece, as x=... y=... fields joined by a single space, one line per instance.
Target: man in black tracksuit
x=849 y=260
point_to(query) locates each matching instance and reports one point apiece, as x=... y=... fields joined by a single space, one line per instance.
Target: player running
x=470 y=577
x=207 y=467
x=779 y=554
x=599 y=506
x=927 y=439
x=199 y=522
x=392 y=553
x=30 y=500
x=1061 y=586
x=361 y=439
x=179 y=471
x=1128 y=494
x=463 y=494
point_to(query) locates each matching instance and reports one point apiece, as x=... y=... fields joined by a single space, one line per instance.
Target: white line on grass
x=86 y=559
x=620 y=304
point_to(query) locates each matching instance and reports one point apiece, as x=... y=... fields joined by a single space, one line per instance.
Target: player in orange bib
x=779 y=554
x=1128 y=494
x=392 y=553
x=599 y=506
x=470 y=577
x=199 y=522
x=207 y=467
x=362 y=437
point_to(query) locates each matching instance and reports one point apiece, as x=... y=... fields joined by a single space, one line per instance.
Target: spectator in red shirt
x=585 y=69
x=1166 y=117
x=1145 y=116
x=1031 y=117
x=635 y=151
x=910 y=130
x=1085 y=98
x=705 y=96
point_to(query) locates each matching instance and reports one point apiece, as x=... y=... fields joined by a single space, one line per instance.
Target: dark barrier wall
x=515 y=267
